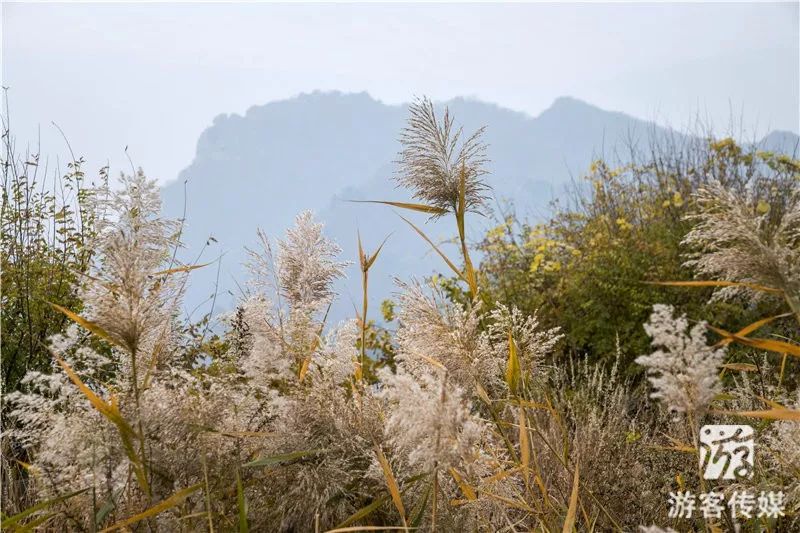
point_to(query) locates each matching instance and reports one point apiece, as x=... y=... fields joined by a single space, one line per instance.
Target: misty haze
x=396 y=267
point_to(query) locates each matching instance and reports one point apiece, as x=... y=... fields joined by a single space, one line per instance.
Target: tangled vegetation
x=506 y=399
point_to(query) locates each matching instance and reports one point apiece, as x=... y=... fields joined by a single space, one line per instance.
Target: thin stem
x=364 y=289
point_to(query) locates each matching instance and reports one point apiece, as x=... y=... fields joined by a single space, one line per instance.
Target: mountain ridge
x=319 y=149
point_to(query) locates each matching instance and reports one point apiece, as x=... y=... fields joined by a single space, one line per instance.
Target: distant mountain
x=781 y=141
x=317 y=151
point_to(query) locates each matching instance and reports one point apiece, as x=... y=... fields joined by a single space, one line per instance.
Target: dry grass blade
x=177 y=270
x=172 y=501
x=752 y=286
x=453 y=267
x=515 y=504
x=524 y=443
x=513 y=370
x=304 y=365
x=572 y=512
x=762 y=344
x=747 y=330
x=769 y=414
x=85 y=324
x=741 y=367
x=362 y=257
x=500 y=475
x=776 y=412
x=371 y=259
x=534 y=405
x=466 y=489
x=433 y=361
x=391 y=483
x=110 y=410
x=676 y=448
x=680 y=446
x=422 y=208
x=771 y=403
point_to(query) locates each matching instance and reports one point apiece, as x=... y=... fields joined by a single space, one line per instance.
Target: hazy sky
x=153 y=76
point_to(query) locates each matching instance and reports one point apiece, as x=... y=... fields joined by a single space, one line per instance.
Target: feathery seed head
x=683 y=370
x=433 y=157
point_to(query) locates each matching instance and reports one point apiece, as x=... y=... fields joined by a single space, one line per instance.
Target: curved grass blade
x=752 y=286
x=110 y=410
x=776 y=412
x=466 y=489
x=364 y=512
x=391 y=483
x=104 y=511
x=762 y=344
x=172 y=501
x=85 y=324
x=418 y=512
x=453 y=267
x=747 y=330
x=741 y=367
x=304 y=365
x=17 y=518
x=770 y=414
x=422 y=208
x=33 y=525
x=176 y=270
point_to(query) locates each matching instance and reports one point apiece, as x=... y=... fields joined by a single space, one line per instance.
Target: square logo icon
x=727 y=451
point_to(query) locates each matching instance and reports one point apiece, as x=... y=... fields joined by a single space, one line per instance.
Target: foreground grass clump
x=482 y=421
